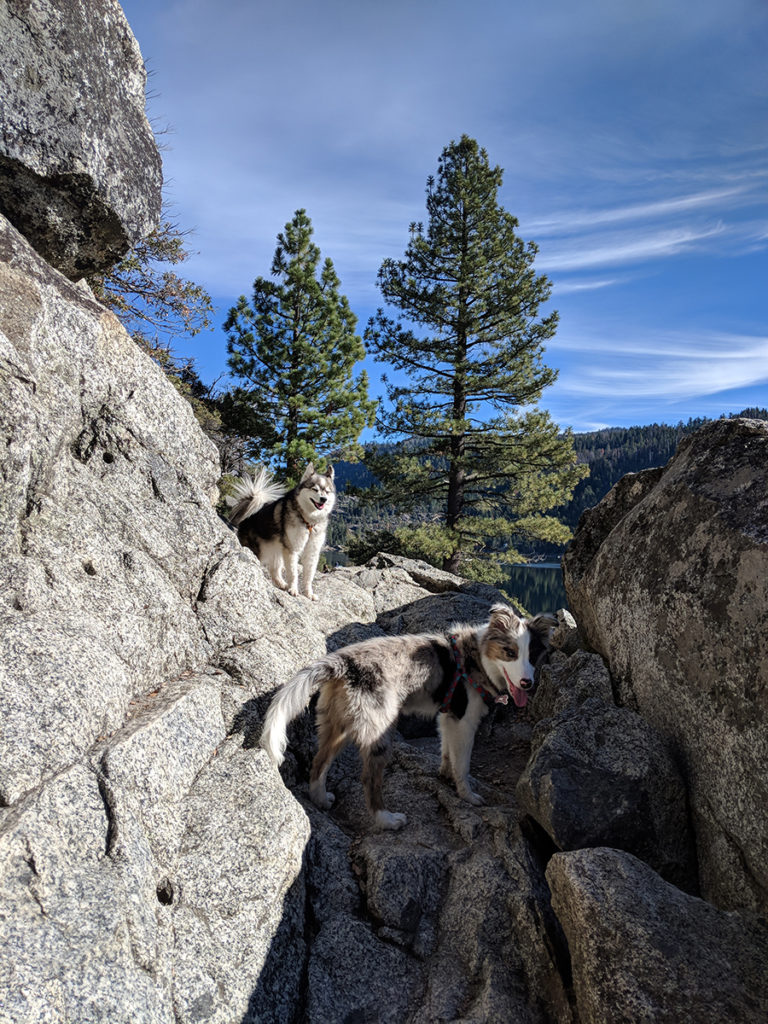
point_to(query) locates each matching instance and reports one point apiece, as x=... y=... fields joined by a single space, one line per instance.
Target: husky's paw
x=390 y=820
x=293 y=591
x=310 y=596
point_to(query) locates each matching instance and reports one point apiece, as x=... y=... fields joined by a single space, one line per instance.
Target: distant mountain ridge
x=613 y=452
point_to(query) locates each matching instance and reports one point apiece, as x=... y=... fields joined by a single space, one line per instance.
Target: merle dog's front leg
x=457 y=739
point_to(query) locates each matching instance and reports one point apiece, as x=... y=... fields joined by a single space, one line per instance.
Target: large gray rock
x=643 y=952
x=161 y=883
x=80 y=173
x=106 y=524
x=666 y=578
x=353 y=976
x=238 y=921
x=565 y=683
x=67 y=952
x=412 y=596
x=600 y=776
x=151 y=869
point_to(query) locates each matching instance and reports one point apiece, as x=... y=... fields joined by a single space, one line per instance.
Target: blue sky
x=633 y=137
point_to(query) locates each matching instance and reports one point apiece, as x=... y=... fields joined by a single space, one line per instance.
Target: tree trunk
x=457 y=474
x=456 y=479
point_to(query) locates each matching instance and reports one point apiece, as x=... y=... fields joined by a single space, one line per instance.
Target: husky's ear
x=308 y=472
x=503 y=618
x=543 y=625
x=329 y=472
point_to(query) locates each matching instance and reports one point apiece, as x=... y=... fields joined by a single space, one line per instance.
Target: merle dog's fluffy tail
x=290 y=701
x=252 y=493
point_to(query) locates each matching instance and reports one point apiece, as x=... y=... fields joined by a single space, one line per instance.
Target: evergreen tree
x=474 y=440
x=294 y=348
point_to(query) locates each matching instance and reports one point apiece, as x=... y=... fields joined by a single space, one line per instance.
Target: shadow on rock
x=278 y=997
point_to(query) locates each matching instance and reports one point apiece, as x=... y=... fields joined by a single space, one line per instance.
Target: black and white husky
x=285 y=528
x=363 y=688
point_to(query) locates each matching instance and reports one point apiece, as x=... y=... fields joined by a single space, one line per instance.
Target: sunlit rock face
x=106 y=523
x=667 y=579
x=137 y=839
x=80 y=173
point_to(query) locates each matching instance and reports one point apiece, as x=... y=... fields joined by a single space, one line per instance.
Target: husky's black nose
x=526 y=684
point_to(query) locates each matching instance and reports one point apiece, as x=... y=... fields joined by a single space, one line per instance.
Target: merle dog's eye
x=510 y=652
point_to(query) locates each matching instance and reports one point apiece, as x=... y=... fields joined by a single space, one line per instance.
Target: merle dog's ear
x=502 y=617
x=543 y=625
x=308 y=472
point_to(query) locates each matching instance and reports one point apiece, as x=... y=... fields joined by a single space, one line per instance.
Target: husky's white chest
x=299 y=535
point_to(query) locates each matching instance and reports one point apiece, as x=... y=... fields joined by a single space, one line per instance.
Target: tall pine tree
x=470 y=441
x=294 y=348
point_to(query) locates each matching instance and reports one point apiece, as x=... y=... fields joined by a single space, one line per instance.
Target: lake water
x=538 y=587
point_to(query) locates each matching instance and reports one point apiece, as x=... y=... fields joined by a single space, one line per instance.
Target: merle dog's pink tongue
x=520 y=697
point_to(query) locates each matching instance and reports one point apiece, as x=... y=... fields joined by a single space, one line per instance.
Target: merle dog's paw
x=324 y=801
x=391 y=820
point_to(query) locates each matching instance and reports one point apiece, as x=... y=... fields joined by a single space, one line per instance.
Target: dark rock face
x=80 y=174
x=600 y=776
x=645 y=953
x=567 y=682
x=448 y=920
x=667 y=579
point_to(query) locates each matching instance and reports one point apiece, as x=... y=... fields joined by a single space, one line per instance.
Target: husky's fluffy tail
x=290 y=701
x=252 y=493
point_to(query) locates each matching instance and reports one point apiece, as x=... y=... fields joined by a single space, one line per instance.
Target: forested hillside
x=616 y=451
x=610 y=454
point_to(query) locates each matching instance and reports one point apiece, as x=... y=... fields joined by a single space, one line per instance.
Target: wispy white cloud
x=625 y=248
x=670 y=366
x=570 y=221
x=568 y=287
